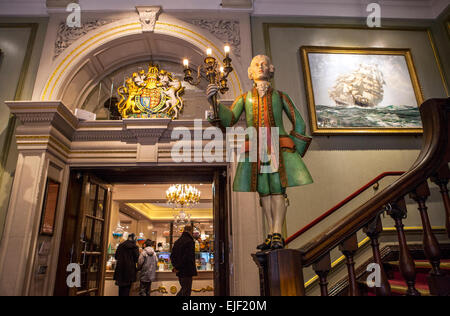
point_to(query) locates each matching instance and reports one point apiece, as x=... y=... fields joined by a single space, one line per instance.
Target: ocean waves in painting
x=376 y=117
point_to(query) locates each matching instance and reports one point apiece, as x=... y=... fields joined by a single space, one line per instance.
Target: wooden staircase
x=281 y=271
x=423 y=268
x=398 y=284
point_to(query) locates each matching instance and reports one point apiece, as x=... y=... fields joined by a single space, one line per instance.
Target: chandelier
x=182 y=195
x=181 y=219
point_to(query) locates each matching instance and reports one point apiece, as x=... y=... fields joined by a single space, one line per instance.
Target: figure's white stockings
x=279 y=208
x=267 y=209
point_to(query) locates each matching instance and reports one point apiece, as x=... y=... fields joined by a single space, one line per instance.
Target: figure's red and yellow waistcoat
x=267 y=111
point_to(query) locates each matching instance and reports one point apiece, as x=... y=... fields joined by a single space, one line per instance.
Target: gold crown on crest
x=153 y=71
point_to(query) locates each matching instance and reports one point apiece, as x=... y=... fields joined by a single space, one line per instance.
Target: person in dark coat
x=183 y=260
x=127 y=255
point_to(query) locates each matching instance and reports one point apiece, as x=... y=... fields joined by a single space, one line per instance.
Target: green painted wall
x=342 y=164
x=21 y=42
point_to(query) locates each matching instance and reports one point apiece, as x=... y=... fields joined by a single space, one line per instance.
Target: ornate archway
x=80 y=67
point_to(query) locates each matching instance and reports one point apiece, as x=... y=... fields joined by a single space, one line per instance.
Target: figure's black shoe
x=277 y=242
x=266 y=245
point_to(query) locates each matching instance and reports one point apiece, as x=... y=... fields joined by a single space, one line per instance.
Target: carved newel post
x=281 y=272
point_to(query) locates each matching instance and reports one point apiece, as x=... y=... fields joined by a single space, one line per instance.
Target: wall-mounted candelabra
x=214 y=73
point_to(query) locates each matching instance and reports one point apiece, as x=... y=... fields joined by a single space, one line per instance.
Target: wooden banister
x=435 y=119
x=431 y=163
x=342 y=203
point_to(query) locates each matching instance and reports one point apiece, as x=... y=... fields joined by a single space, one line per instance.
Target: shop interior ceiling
x=148 y=202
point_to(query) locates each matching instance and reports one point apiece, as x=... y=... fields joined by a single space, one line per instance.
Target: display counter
x=166 y=283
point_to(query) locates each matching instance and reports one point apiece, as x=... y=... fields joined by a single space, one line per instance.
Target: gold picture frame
x=361 y=90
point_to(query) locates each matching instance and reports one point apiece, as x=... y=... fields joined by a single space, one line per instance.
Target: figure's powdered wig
x=271 y=66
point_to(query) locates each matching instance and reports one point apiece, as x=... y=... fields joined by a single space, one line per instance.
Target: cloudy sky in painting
x=325 y=68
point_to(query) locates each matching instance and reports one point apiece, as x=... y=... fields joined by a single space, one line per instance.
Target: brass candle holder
x=214 y=73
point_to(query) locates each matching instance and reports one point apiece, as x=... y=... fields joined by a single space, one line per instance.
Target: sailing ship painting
x=361 y=91
x=362 y=87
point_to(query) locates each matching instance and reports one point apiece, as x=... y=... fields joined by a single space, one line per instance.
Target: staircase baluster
x=322 y=267
x=430 y=244
x=349 y=248
x=437 y=281
x=373 y=230
x=407 y=268
x=441 y=180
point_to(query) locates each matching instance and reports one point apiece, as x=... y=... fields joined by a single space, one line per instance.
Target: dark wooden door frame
x=221 y=259
x=163 y=174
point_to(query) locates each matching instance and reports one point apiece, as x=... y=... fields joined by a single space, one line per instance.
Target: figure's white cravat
x=262 y=87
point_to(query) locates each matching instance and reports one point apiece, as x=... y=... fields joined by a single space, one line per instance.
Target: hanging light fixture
x=182 y=196
x=181 y=219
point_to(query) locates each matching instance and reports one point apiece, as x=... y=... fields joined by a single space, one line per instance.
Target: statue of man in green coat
x=282 y=167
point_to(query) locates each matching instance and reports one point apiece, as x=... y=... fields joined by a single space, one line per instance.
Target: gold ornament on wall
x=155 y=94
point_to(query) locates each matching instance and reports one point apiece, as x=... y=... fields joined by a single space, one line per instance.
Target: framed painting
x=361 y=90
x=49 y=209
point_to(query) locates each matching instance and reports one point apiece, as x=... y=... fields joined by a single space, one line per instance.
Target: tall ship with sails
x=362 y=87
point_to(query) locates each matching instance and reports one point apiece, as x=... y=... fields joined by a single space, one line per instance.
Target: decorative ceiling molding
x=226 y=30
x=67 y=35
x=403 y=9
x=148 y=16
x=51 y=126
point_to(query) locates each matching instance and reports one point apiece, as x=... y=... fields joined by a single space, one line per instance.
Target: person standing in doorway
x=147 y=268
x=183 y=260
x=127 y=255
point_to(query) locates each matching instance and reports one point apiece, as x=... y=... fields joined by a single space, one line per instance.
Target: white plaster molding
x=66 y=66
x=51 y=126
x=119 y=5
x=53 y=112
x=148 y=15
x=403 y=9
x=22 y=224
x=67 y=35
x=227 y=30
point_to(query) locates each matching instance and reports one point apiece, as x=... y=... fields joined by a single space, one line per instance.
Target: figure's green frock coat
x=269 y=108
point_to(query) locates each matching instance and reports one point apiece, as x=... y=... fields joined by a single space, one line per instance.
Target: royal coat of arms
x=155 y=94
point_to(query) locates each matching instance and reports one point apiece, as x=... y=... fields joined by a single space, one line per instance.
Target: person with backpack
x=147 y=268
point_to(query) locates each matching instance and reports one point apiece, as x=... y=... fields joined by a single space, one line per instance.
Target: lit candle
x=227 y=50
x=209 y=52
x=186 y=63
x=221 y=69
